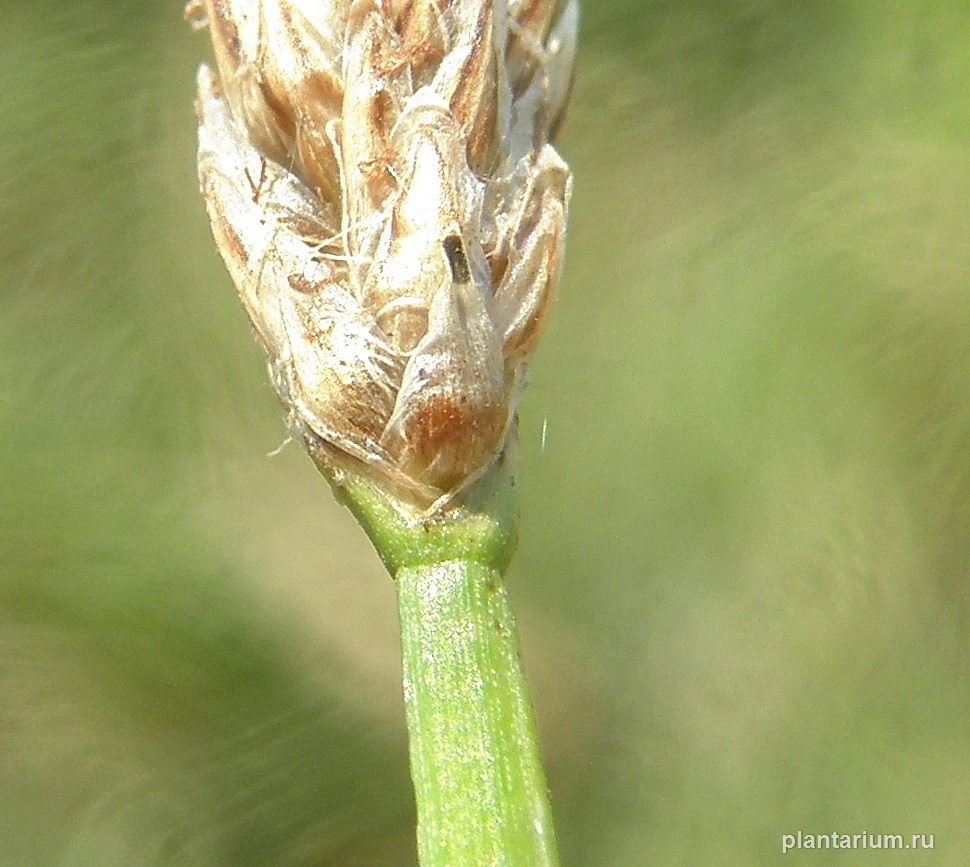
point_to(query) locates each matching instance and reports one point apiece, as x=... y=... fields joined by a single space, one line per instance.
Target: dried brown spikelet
x=381 y=185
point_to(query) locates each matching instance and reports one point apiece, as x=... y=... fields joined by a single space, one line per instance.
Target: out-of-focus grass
x=743 y=578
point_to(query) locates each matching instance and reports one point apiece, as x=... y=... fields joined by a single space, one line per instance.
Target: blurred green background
x=743 y=577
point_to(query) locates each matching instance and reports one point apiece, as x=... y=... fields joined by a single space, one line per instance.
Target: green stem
x=479 y=786
x=478 y=780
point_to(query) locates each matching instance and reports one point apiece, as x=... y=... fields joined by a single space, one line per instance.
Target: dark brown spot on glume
x=451 y=436
x=230 y=240
x=498 y=264
x=457 y=260
x=300 y=284
x=279 y=107
x=440 y=419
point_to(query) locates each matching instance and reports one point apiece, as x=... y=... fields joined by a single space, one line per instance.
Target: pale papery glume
x=381 y=185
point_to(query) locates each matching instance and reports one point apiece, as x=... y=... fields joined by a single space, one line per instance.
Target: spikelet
x=381 y=186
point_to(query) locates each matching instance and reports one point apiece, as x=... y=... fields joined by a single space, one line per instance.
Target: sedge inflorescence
x=381 y=185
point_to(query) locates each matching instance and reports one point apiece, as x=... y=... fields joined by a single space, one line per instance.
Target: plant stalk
x=479 y=786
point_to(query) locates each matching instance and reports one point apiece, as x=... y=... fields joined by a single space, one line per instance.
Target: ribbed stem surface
x=479 y=785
